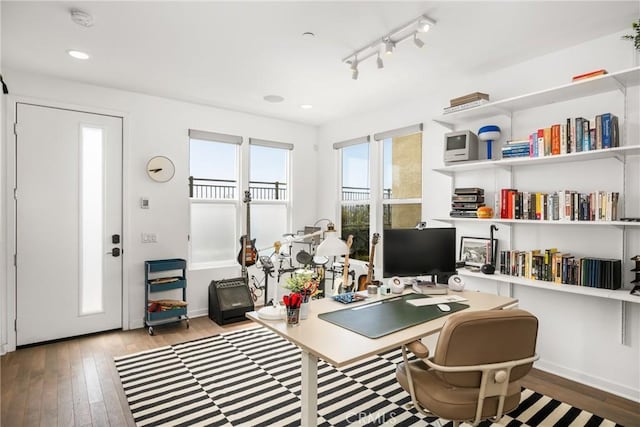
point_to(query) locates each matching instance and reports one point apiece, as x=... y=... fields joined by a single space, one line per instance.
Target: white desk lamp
x=332 y=245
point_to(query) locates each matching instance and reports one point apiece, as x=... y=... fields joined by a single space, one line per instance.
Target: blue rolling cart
x=164 y=275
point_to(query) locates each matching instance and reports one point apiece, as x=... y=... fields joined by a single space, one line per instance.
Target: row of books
x=564 y=205
x=562 y=268
x=519 y=148
x=576 y=135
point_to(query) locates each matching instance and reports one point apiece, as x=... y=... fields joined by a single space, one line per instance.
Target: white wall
x=3 y=233
x=158 y=126
x=579 y=335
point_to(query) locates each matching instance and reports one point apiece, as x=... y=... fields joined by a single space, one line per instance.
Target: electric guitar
x=366 y=280
x=248 y=253
x=343 y=284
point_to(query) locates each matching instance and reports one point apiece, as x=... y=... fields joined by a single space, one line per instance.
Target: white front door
x=68 y=223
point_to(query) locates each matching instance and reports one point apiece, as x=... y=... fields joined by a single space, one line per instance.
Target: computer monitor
x=412 y=252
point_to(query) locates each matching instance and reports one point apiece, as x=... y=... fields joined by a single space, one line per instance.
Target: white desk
x=339 y=347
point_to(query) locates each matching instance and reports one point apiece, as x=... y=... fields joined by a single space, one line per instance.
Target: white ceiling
x=231 y=54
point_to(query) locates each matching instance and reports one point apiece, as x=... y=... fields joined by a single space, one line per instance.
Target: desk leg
x=309 y=394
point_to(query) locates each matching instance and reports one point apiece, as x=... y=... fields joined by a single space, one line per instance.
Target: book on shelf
x=570 y=136
x=578 y=134
x=598 y=132
x=610 y=131
x=475 y=96
x=588 y=75
x=555 y=139
x=586 y=135
x=466 y=106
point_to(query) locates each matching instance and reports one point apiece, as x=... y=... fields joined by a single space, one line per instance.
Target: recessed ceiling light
x=306 y=106
x=273 y=98
x=78 y=54
x=81 y=18
x=308 y=35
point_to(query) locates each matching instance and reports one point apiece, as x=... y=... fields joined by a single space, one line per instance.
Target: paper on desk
x=419 y=302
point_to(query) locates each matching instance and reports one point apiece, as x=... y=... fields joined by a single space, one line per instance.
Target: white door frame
x=7 y=323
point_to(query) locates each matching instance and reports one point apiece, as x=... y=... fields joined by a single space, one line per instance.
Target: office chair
x=474 y=373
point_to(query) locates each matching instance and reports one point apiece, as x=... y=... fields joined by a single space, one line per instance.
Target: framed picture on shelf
x=475 y=251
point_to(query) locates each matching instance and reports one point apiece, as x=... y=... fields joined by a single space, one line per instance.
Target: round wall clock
x=160 y=169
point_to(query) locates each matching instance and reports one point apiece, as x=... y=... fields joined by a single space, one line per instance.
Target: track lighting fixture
x=417 y=41
x=388 y=42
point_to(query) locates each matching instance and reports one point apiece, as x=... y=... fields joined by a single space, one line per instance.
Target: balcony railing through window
x=226 y=189
x=361 y=193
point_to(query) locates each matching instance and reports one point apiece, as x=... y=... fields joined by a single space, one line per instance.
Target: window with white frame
x=215 y=197
x=394 y=200
x=270 y=191
x=355 y=195
x=401 y=200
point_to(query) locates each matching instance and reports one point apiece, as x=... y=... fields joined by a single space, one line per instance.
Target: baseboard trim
x=590 y=380
x=199 y=313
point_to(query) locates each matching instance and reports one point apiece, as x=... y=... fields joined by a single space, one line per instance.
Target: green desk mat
x=377 y=319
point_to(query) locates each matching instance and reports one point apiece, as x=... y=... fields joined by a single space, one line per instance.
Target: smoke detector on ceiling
x=81 y=18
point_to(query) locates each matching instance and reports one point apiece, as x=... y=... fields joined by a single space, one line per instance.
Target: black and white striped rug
x=252 y=378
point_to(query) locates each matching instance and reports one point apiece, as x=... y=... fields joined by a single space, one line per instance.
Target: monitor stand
x=429 y=287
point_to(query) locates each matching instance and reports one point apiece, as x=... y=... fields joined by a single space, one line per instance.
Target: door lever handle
x=115 y=252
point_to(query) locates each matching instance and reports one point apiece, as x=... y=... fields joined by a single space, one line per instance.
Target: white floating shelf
x=619 y=295
x=569 y=91
x=545 y=222
x=535 y=161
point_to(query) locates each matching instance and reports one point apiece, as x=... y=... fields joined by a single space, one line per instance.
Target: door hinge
x=15 y=128
x=15 y=260
x=15 y=194
x=15 y=325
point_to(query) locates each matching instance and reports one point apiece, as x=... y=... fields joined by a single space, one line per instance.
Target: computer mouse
x=444 y=307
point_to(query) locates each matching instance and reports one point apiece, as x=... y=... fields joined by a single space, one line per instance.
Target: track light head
x=354 y=74
x=388 y=46
x=379 y=62
x=425 y=24
x=417 y=41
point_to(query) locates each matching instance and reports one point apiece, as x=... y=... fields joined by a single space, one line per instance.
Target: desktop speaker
x=396 y=285
x=456 y=283
x=229 y=300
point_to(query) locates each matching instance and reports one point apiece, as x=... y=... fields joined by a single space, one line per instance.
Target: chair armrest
x=419 y=349
x=485 y=367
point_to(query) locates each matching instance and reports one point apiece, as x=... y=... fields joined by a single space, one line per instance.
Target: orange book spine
x=555 y=139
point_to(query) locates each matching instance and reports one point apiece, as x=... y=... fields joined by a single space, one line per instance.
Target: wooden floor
x=75 y=383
